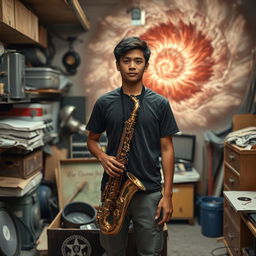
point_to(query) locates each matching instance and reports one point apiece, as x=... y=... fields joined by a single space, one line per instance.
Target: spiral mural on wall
x=200 y=61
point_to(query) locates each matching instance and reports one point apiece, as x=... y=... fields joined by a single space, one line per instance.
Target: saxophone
x=116 y=197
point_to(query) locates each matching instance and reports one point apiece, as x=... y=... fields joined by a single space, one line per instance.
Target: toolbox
x=21 y=166
x=42 y=78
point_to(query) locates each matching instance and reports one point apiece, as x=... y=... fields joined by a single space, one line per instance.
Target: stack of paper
x=20 y=133
x=10 y=186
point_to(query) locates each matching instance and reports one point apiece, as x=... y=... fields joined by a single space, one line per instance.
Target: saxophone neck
x=136 y=105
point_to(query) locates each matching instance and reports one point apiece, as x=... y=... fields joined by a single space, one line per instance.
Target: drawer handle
x=231 y=157
x=231 y=180
x=231 y=236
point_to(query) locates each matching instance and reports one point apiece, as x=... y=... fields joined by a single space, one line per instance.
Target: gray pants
x=148 y=234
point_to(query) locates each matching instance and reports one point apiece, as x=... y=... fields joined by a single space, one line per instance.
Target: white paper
x=21 y=134
x=241 y=205
x=21 y=125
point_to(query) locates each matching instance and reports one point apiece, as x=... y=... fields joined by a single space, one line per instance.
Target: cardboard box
x=61 y=241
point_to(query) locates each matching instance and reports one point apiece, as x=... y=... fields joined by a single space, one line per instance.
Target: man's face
x=132 y=66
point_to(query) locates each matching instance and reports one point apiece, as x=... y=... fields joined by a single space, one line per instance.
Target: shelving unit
x=24 y=21
x=69 y=12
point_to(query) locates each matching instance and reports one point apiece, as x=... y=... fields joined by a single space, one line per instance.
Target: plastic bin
x=212 y=216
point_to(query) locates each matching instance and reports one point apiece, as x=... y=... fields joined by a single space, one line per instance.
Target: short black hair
x=131 y=43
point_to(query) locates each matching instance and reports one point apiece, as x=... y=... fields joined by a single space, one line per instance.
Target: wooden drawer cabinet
x=240 y=163
x=183 y=202
x=231 y=212
x=231 y=179
x=231 y=232
x=232 y=158
x=239 y=174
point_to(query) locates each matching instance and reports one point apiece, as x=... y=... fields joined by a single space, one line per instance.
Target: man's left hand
x=164 y=210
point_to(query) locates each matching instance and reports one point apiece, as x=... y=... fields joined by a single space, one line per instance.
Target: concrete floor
x=187 y=240
x=183 y=240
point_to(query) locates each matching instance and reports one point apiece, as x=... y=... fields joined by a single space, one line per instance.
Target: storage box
x=74 y=172
x=21 y=166
x=42 y=78
x=60 y=241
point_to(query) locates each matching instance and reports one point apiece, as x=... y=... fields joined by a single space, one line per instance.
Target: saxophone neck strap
x=122 y=95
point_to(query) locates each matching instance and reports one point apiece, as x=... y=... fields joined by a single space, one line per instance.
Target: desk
x=239 y=175
x=183 y=195
x=239 y=230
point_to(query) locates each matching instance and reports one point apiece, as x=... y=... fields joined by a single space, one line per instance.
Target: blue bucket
x=198 y=209
x=212 y=216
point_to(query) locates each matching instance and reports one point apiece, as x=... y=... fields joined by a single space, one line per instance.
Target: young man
x=155 y=124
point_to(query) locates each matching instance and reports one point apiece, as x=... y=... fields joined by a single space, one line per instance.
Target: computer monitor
x=184 y=147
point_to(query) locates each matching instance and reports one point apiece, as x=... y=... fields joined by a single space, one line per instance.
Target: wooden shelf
x=58 y=12
x=23 y=21
x=13 y=36
x=45 y=91
x=44 y=94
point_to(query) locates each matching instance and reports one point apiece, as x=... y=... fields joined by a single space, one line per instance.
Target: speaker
x=27 y=211
x=9 y=234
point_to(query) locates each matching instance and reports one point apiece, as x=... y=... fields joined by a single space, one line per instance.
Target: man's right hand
x=111 y=166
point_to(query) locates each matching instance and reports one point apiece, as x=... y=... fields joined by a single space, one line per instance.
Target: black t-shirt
x=155 y=120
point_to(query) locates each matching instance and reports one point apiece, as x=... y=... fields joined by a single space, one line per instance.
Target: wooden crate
x=21 y=166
